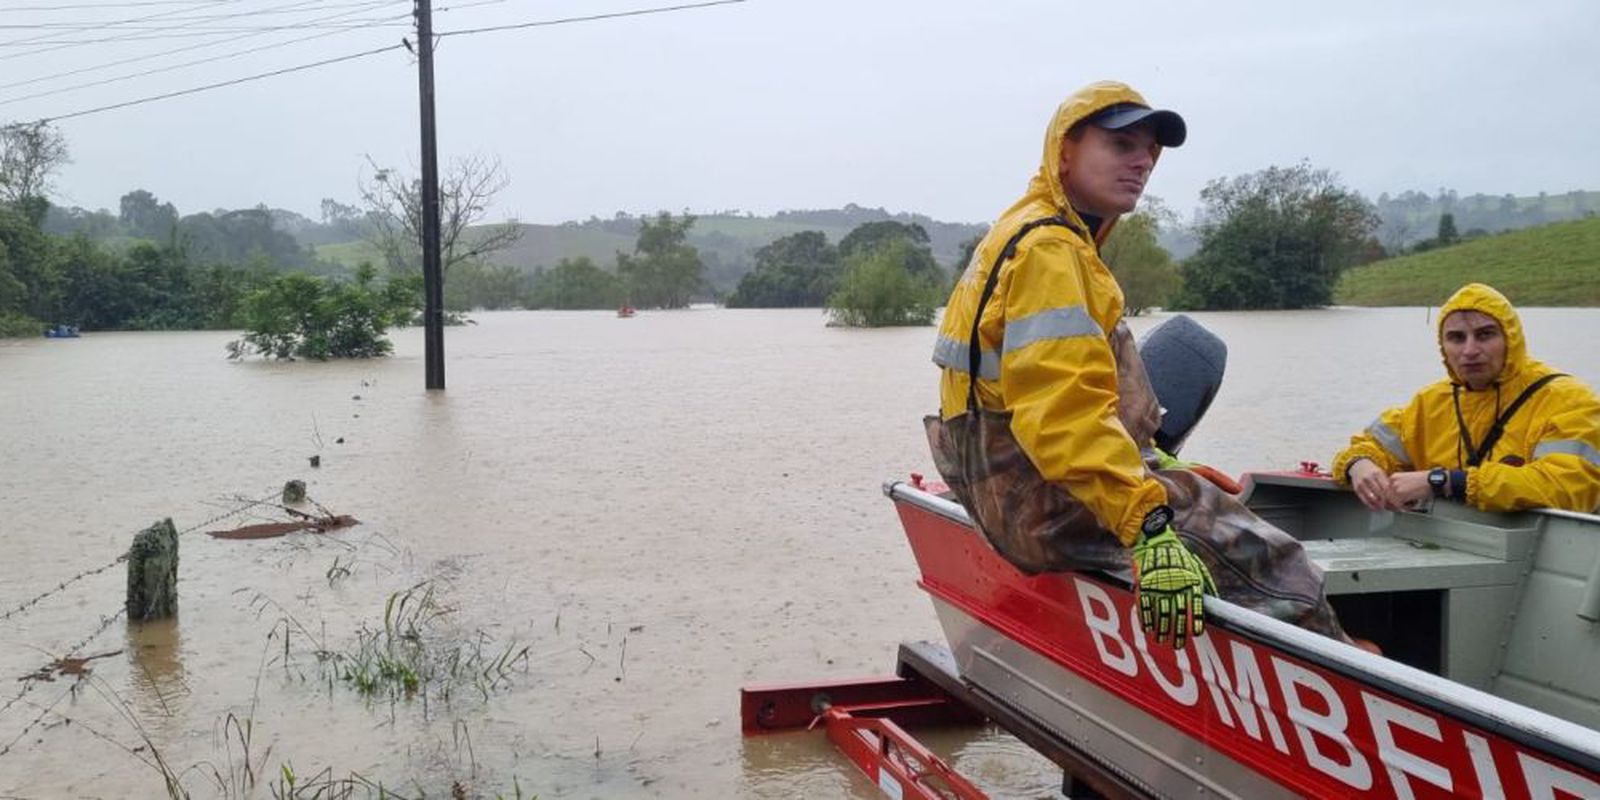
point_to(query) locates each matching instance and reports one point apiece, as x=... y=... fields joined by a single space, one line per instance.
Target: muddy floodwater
x=581 y=549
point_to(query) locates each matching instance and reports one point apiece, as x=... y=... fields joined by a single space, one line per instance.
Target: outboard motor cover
x=1185 y=363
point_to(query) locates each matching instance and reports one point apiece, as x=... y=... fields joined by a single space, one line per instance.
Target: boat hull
x=1254 y=708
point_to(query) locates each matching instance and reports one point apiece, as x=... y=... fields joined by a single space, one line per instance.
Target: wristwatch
x=1438 y=480
x=1156 y=521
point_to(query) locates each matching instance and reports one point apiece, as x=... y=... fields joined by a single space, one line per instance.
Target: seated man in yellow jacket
x=1050 y=448
x=1501 y=432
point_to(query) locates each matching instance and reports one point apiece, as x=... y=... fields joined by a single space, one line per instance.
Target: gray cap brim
x=1169 y=128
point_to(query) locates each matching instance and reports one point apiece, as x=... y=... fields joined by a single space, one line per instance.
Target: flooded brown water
x=661 y=509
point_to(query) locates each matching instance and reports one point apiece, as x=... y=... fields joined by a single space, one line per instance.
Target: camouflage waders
x=1040 y=527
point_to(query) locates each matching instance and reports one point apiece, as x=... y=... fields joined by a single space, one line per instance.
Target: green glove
x=1170 y=583
x=1166 y=460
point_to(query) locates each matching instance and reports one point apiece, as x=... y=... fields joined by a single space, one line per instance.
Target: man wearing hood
x=1501 y=432
x=1050 y=449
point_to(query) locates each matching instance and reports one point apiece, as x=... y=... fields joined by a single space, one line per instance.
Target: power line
x=590 y=18
x=364 y=54
x=208 y=87
x=99 y=6
x=51 y=37
x=101 y=25
x=171 y=67
x=157 y=34
x=219 y=42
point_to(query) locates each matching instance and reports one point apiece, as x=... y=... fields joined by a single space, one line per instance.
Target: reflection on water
x=157 y=678
x=661 y=508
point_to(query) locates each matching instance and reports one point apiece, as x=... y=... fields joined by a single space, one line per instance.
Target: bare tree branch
x=466 y=190
x=29 y=156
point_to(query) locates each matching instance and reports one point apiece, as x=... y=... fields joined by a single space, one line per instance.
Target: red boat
x=1488 y=686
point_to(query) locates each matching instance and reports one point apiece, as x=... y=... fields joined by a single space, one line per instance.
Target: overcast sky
x=932 y=107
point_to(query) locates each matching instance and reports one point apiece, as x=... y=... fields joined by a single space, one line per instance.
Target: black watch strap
x=1157 y=520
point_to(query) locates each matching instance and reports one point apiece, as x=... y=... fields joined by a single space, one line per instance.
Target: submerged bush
x=304 y=316
x=882 y=287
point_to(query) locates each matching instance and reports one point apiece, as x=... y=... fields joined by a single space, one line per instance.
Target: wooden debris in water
x=269 y=530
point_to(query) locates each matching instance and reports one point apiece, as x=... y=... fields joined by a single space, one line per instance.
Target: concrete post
x=153 y=573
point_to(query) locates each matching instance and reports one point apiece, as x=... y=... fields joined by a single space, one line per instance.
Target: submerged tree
x=575 y=283
x=795 y=271
x=664 y=270
x=1277 y=238
x=886 y=286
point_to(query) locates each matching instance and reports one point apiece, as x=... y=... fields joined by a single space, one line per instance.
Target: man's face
x=1474 y=347
x=1104 y=171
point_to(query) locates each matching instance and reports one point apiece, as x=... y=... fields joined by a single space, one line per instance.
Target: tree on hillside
x=1277 y=238
x=664 y=270
x=1447 y=231
x=796 y=271
x=1143 y=268
x=29 y=155
x=886 y=286
x=144 y=216
x=466 y=190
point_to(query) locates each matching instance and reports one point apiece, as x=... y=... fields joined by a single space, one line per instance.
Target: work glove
x=1169 y=583
x=1220 y=479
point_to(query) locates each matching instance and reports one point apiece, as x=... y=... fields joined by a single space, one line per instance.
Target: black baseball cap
x=1169 y=128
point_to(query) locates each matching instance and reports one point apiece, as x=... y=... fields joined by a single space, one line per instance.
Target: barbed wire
x=36 y=720
x=65 y=584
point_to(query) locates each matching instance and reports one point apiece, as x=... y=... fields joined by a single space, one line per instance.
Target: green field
x=350 y=254
x=1551 y=265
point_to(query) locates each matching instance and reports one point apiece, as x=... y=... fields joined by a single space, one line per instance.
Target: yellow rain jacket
x=1045 y=356
x=1549 y=455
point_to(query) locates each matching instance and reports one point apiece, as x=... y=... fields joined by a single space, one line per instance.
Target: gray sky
x=934 y=107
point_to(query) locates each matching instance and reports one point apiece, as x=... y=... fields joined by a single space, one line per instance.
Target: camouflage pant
x=1039 y=527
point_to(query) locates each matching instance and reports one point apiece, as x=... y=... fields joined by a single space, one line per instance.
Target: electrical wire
x=208 y=87
x=47 y=37
x=171 y=67
x=95 y=26
x=100 y=6
x=589 y=18
x=363 y=54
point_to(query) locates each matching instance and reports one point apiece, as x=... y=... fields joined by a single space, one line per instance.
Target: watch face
x=1156 y=521
x=1436 y=478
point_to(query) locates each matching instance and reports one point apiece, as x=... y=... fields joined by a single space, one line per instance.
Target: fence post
x=153 y=573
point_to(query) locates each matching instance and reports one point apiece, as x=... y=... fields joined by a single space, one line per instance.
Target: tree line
x=1276 y=238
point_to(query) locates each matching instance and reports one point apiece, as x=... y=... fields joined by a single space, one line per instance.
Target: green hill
x=1551 y=265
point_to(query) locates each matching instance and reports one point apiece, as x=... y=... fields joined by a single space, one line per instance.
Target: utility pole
x=432 y=269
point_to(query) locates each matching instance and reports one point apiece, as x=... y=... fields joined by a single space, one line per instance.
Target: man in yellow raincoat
x=1050 y=449
x=1501 y=432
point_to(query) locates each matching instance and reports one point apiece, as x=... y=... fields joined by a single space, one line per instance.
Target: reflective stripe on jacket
x=1044 y=354
x=1549 y=455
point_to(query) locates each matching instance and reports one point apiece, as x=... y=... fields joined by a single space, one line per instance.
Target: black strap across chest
x=1476 y=455
x=973 y=353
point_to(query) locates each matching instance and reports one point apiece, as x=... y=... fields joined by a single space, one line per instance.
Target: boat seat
x=1393 y=564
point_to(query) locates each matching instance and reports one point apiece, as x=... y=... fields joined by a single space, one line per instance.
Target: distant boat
x=61 y=332
x=625 y=311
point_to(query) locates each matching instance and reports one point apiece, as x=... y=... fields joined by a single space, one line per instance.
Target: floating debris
x=69 y=665
x=269 y=530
